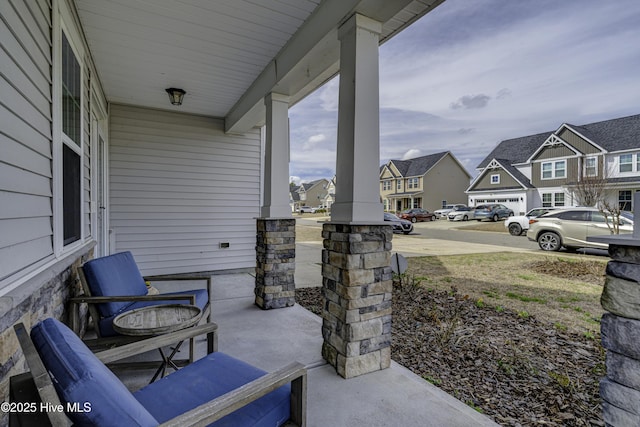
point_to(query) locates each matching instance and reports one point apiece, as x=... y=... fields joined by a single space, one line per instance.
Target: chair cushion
x=211 y=377
x=106 y=323
x=114 y=275
x=80 y=377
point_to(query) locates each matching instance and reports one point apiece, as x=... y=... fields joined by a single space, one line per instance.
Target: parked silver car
x=492 y=212
x=442 y=213
x=460 y=213
x=570 y=228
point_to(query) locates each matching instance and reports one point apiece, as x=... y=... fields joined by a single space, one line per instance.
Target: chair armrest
x=116 y=298
x=142 y=346
x=209 y=412
x=41 y=377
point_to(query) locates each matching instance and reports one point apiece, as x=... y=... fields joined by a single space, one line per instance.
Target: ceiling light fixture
x=175 y=95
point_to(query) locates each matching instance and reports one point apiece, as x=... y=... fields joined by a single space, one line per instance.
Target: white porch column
x=356 y=273
x=276 y=228
x=358 y=152
x=276 y=167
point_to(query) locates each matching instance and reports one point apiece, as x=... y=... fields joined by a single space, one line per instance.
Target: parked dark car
x=492 y=212
x=417 y=214
x=400 y=225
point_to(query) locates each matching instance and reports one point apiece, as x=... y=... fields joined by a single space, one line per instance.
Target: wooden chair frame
x=92 y=301
x=37 y=385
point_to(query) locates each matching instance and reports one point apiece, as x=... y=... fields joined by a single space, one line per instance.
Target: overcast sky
x=475 y=72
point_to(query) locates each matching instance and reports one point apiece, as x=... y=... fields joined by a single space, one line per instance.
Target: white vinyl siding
x=179 y=187
x=25 y=135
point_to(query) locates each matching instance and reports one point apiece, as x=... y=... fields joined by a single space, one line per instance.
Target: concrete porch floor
x=273 y=338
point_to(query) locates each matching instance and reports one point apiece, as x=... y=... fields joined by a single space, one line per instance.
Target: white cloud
x=411 y=154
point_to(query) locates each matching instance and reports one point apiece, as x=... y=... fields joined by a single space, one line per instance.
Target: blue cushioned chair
x=217 y=390
x=113 y=285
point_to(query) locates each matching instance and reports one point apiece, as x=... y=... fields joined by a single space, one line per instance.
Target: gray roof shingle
x=613 y=135
x=418 y=166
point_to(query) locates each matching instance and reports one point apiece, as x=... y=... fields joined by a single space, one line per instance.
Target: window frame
x=495 y=178
x=61 y=140
x=554 y=169
x=553 y=199
x=386 y=185
x=413 y=183
x=587 y=167
x=628 y=164
x=622 y=203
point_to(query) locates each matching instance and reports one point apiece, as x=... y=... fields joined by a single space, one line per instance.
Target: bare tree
x=611 y=212
x=594 y=191
x=590 y=191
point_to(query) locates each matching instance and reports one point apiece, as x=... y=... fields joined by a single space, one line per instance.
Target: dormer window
x=495 y=179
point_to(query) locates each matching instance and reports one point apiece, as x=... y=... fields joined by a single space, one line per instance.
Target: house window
x=417 y=202
x=590 y=166
x=413 y=182
x=554 y=170
x=399 y=185
x=495 y=179
x=71 y=145
x=626 y=162
x=550 y=200
x=624 y=200
x=386 y=185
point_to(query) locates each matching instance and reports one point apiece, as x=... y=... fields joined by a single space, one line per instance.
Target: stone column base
x=620 y=331
x=357 y=286
x=275 y=263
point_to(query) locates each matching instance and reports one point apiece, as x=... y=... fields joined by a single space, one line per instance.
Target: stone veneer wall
x=357 y=289
x=620 y=328
x=275 y=263
x=46 y=295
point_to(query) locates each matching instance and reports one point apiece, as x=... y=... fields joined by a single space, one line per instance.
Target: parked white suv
x=307 y=209
x=520 y=224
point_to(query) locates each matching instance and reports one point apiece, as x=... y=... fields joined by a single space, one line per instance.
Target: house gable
x=577 y=141
x=553 y=147
x=498 y=176
x=386 y=173
x=447 y=160
x=399 y=169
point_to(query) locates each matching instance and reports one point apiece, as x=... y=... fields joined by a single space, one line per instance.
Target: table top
x=157 y=319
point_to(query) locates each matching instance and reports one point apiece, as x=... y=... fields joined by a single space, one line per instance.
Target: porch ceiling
x=226 y=54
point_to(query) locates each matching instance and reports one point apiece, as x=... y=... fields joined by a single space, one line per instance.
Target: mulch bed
x=514 y=368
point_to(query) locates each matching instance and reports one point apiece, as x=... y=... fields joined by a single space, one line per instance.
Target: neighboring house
x=294 y=197
x=546 y=169
x=427 y=182
x=309 y=194
x=330 y=197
